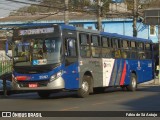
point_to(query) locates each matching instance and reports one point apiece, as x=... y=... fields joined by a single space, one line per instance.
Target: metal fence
x=5 y=65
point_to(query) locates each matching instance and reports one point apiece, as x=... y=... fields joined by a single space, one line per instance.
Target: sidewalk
x=154 y=82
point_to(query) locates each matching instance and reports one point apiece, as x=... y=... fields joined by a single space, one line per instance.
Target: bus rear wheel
x=44 y=94
x=133 y=83
x=85 y=87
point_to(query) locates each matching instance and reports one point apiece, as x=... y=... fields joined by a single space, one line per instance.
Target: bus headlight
x=55 y=76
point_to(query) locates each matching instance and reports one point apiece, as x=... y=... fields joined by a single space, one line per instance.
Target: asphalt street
x=146 y=98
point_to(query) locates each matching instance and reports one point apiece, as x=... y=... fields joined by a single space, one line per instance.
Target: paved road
x=147 y=98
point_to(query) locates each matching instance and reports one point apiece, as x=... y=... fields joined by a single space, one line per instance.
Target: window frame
x=108 y=41
x=84 y=45
x=148 y=50
x=96 y=46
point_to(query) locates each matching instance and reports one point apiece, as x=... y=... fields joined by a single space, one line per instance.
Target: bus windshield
x=27 y=52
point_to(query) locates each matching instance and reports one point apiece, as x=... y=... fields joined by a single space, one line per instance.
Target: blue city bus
x=52 y=58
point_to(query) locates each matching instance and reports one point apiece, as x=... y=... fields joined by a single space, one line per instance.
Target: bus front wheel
x=133 y=83
x=85 y=87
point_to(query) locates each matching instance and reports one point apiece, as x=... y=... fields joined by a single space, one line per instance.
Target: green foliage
x=74 y=5
x=82 y=6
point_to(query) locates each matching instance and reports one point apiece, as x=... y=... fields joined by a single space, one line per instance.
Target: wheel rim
x=85 y=86
x=134 y=82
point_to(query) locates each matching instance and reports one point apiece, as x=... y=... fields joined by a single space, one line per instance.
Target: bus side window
x=113 y=47
x=106 y=50
x=148 y=50
x=141 y=53
x=125 y=49
x=133 y=50
x=84 y=45
x=114 y=43
x=117 y=50
x=125 y=44
x=95 y=46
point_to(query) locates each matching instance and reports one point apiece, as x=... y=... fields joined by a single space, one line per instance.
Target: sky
x=6 y=7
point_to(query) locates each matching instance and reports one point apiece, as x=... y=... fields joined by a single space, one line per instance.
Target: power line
x=35 y=4
x=43 y=17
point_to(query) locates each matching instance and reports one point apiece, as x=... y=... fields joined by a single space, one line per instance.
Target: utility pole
x=99 y=15
x=66 y=12
x=151 y=19
x=135 y=10
x=159 y=51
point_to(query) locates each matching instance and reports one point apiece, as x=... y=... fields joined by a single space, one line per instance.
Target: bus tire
x=133 y=83
x=44 y=94
x=85 y=87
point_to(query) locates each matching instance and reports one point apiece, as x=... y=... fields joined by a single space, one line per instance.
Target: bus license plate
x=33 y=85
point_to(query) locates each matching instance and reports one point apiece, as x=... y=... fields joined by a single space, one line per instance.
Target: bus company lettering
x=107 y=64
x=95 y=62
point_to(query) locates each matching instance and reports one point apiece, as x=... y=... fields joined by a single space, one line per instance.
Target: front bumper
x=45 y=85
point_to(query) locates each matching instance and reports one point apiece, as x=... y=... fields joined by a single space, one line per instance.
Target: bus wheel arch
x=86 y=85
x=133 y=82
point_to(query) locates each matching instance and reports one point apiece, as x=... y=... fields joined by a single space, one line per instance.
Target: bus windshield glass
x=27 y=52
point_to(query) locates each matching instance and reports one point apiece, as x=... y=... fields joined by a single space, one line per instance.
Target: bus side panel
x=147 y=70
x=120 y=65
x=142 y=68
x=71 y=76
x=94 y=67
x=116 y=76
x=133 y=66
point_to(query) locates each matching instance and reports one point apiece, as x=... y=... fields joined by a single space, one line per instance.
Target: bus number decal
x=43 y=77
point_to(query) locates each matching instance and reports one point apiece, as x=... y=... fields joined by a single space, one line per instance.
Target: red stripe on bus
x=123 y=74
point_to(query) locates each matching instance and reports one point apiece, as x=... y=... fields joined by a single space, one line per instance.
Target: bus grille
x=39 y=83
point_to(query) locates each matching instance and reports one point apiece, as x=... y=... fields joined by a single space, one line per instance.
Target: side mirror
x=6 y=50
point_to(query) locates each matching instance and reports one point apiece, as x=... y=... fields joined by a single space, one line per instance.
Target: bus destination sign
x=36 y=31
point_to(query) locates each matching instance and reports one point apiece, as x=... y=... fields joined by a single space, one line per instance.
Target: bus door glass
x=71 y=64
x=70 y=51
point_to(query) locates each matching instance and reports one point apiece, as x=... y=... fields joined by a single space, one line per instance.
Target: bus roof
x=125 y=37
x=68 y=27
x=106 y=33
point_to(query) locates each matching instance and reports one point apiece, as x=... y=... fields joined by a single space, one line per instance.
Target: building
x=113 y=25
x=118 y=5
